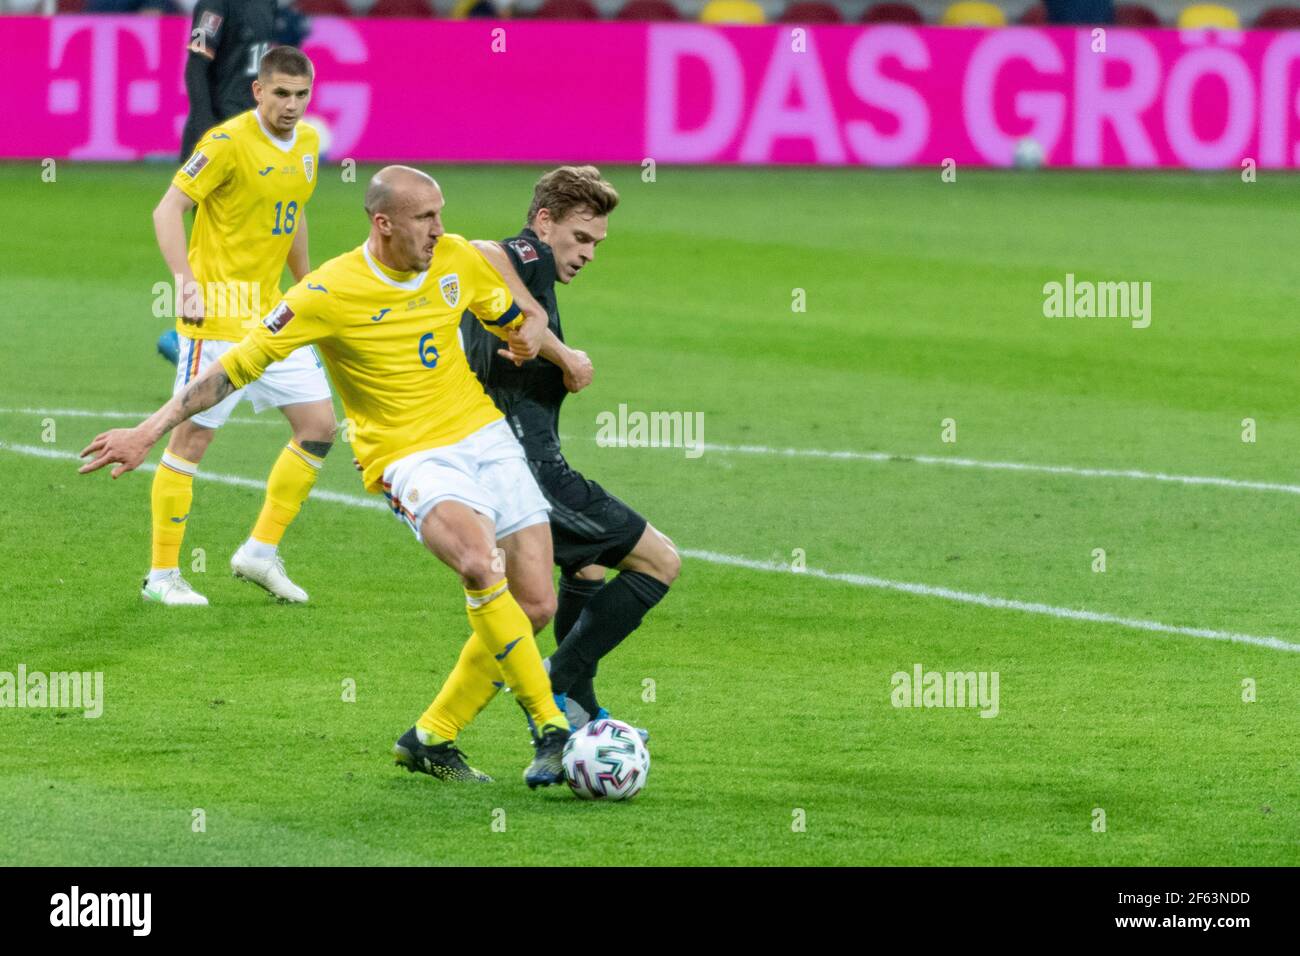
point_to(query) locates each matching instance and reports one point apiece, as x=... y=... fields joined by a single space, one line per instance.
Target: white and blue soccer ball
x=606 y=760
x=1029 y=153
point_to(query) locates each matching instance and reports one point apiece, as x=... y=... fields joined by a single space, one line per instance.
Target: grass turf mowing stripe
x=858 y=580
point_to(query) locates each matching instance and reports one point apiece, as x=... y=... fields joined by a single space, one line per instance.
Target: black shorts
x=588 y=524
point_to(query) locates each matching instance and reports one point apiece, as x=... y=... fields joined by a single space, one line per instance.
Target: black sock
x=583 y=690
x=573 y=597
x=611 y=614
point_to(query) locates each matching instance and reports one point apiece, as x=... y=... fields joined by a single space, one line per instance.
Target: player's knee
x=662 y=557
x=668 y=563
x=315 y=425
x=190 y=441
x=477 y=569
x=539 y=608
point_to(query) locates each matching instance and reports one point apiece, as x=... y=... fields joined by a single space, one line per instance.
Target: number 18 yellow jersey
x=251 y=190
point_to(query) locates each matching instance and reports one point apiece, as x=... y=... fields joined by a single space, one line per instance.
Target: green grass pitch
x=772 y=692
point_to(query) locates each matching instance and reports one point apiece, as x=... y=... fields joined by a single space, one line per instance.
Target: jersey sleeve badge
x=280 y=316
x=195 y=165
x=204 y=35
x=524 y=249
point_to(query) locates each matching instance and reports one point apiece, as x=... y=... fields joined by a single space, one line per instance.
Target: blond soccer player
x=250 y=178
x=385 y=318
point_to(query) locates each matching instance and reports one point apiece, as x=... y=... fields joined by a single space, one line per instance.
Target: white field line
x=857 y=580
x=1133 y=474
x=128 y=416
x=337 y=497
x=987 y=600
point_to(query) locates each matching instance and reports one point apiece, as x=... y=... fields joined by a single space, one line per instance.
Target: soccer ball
x=606 y=760
x=1028 y=154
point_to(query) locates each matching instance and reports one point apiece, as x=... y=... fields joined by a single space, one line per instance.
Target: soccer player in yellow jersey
x=250 y=177
x=385 y=318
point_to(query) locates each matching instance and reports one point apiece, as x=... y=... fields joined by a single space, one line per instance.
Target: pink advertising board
x=111 y=88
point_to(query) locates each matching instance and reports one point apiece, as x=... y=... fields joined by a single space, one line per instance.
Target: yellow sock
x=470 y=687
x=173 y=490
x=287 y=488
x=505 y=631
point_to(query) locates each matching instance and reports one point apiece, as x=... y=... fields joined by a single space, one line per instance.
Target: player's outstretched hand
x=125 y=447
x=579 y=371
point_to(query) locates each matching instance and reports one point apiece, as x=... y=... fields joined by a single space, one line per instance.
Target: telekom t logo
x=96 y=92
x=112 y=83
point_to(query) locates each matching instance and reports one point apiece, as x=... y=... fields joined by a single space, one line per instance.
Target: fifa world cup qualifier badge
x=210 y=23
x=195 y=165
x=524 y=249
x=280 y=317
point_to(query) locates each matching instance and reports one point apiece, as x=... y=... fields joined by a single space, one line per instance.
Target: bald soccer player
x=384 y=318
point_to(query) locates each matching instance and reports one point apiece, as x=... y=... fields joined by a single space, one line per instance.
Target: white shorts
x=299 y=378
x=485 y=470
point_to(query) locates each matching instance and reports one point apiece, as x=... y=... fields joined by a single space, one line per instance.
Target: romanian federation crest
x=308 y=165
x=450 y=287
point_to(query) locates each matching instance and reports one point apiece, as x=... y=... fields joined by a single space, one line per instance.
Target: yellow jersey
x=391 y=344
x=251 y=190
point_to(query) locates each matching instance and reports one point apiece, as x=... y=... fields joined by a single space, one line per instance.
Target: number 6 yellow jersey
x=251 y=190
x=391 y=344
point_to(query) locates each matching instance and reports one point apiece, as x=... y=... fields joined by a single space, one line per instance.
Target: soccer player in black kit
x=592 y=530
x=228 y=39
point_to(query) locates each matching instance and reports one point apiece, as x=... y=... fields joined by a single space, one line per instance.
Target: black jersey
x=227 y=41
x=529 y=395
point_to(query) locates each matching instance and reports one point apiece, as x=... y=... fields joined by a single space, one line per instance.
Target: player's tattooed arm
x=200 y=395
x=127 y=447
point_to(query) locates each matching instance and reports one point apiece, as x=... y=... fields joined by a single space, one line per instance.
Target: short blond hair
x=569 y=189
